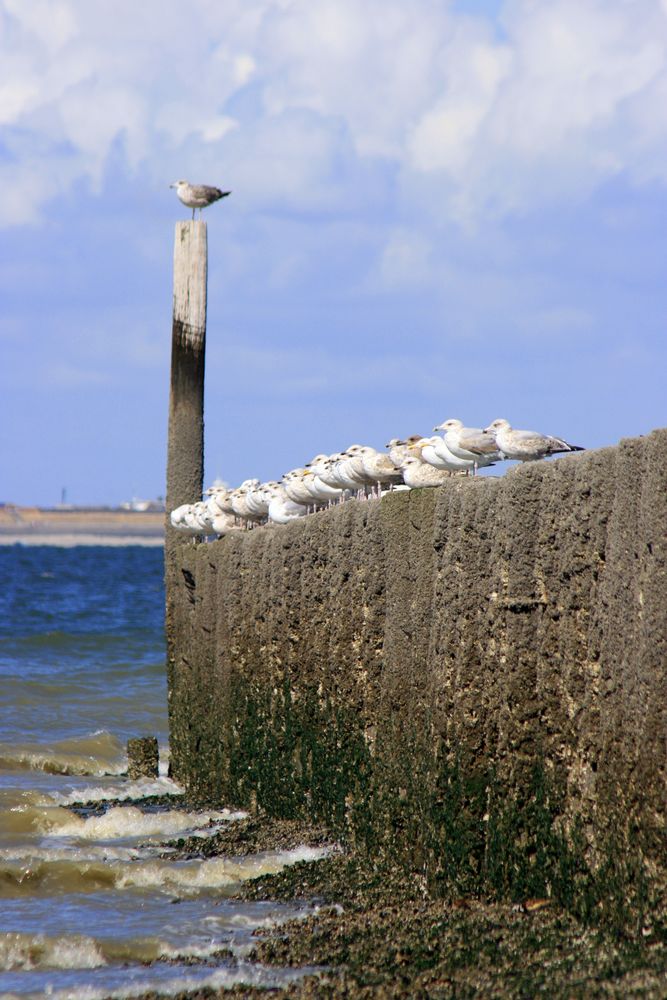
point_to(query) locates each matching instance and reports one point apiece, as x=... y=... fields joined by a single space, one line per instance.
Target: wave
x=97 y=754
x=19 y=799
x=142 y=788
x=166 y=981
x=47 y=876
x=117 y=823
x=28 y=952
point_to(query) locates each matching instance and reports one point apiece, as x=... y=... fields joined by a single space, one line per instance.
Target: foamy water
x=89 y=896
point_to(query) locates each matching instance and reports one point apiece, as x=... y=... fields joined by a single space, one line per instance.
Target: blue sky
x=439 y=209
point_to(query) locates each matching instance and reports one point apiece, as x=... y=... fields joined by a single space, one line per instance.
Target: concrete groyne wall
x=473 y=677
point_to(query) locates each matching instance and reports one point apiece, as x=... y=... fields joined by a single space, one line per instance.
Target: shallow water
x=86 y=899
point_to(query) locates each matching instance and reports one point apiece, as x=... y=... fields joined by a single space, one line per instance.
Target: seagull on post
x=198 y=195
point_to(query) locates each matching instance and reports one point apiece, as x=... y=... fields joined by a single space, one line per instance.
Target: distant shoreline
x=80 y=526
x=69 y=541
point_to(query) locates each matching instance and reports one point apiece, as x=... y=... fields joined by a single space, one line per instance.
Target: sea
x=91 y=903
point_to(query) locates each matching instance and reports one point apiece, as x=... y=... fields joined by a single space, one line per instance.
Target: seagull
x=378 y=466
x=295 y=487
x=198 y=195
x=398 y=449
x=180 y=520
x=417 y=473
x=344 y=473
x=526 y=446
x=321 y=490
x=282 y=510
x=351 y=465
x=218 y=500
x=435 y=452
x=224 y=524
x=192 y=519
x=257 y=500
x=471 y=443
x=240 y=501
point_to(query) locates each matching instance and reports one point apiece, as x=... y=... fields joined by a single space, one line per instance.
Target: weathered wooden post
x=185 y=451
x=185 y=447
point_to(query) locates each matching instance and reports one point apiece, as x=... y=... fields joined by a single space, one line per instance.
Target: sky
x=442 y=208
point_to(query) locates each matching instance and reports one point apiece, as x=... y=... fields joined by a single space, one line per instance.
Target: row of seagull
x=361 y=471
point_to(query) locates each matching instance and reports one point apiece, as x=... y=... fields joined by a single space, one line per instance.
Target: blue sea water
x=86 y=900
x=82 y=642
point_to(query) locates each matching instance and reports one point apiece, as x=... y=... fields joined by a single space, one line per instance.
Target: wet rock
x=142 y=758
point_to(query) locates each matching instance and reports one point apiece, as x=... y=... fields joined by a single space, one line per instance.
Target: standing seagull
x=198 y=195
x=526 y=446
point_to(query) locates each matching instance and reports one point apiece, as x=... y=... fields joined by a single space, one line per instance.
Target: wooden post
x=185 y=447
x=185 y=450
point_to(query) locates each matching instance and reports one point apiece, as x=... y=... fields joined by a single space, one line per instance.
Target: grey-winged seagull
x=526 y=446
x=436 y=453
x=198 y=195
x=471 y=443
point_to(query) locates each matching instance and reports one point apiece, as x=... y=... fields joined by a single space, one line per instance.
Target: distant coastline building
x=143 y=505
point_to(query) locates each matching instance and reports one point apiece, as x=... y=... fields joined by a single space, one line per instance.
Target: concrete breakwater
x=473 y=677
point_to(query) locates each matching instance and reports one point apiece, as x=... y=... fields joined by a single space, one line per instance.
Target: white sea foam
x=36 y=951
x=59 y=869
x=127 y=791
x=240 y=972
x=117 y=823
x=32 y=856
x=121 y=822
x=213 y=873
x=200 y=938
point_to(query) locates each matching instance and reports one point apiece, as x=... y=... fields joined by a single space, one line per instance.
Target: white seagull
x=296 y=489
x=321 y=490
x=198 y=195
x=436 y=453
x=282 y=510
x=471 y=443
x=526 y=446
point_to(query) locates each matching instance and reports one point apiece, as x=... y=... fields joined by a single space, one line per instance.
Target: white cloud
x=300 y=97
x=16 y=98
x=52 y=23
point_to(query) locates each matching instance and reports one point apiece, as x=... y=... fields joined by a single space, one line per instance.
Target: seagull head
x=449 y=425
x=177 y=184
x=498 y=425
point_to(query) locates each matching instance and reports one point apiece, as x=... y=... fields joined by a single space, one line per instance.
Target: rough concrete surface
x=395 y=667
